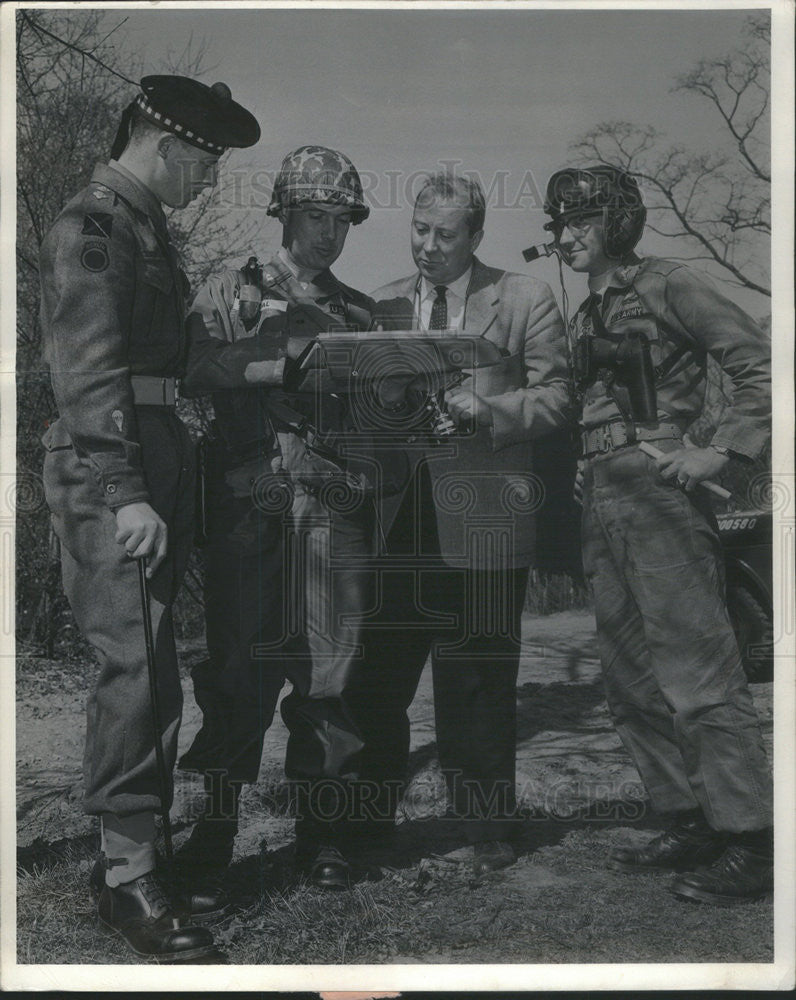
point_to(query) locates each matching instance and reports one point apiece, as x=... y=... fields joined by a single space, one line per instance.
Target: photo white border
x=459 y=978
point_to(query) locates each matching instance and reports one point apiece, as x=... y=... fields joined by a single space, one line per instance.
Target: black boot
x=687 y=843
x=319 y=842
x=323 y=865
x=200 y=896
x=203 y=860
x=745 y=871
x=201 y=865
x=140 y=912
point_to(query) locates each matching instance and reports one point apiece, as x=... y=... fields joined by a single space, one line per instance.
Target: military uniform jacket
x=673 y=306
x=289 y=308
x=113 y=305
x=484 y=490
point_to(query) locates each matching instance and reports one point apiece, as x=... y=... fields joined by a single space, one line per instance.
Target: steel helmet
x=611 y=190
x=315 y=173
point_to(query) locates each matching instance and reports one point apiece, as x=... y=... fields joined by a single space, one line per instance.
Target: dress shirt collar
x=457 y=288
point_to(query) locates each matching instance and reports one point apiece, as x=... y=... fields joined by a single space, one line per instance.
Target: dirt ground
x=557 y=904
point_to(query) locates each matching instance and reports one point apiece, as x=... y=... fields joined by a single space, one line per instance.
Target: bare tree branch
x=73 y=81
x=81 y=52
x=733 y=85
x=27 y=261
x=718 y=201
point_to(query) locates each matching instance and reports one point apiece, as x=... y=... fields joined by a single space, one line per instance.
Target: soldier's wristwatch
x=722 y=450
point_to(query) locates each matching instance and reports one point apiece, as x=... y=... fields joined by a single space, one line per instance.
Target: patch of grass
x=306 y=925
x=56 y=918
x=557 y=904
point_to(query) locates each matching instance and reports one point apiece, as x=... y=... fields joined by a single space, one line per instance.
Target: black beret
x=203 y=116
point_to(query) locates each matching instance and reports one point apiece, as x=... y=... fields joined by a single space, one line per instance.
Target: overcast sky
x=501 y=92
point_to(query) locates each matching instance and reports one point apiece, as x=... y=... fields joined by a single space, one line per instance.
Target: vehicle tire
x=754 y=630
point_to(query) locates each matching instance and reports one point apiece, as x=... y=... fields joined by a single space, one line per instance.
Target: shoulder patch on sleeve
x=94 y=256
x=97 y=224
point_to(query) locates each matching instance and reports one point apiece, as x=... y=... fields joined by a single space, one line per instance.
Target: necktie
x=439 y=310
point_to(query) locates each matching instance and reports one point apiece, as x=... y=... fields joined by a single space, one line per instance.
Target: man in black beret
x=119 y=467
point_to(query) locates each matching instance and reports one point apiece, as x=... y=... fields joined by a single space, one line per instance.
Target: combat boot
x=199 y=896
x=202 y=861
x=745 y=871
x=686 y=844
x=318 y=854
x=140 y=912
x=323 y=865
x=202 y=864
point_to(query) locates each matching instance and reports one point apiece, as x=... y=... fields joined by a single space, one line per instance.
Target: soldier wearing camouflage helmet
x=282 y=521
x=321 y=175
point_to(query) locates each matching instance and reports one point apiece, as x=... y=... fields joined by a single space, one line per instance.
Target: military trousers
x=673 y=678
x=286 y=589
x=102 y=585
x=237 y=687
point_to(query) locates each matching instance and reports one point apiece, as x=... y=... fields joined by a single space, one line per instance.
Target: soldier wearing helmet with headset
x=286 y=523
x=673 y=677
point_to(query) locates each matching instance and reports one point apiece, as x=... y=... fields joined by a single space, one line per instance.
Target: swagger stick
x=155 y=705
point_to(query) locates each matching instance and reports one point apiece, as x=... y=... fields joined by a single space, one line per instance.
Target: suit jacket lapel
x=482 y=301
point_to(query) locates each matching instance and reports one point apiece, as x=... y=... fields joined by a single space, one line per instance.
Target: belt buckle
x=608 y=438
x=164 y=391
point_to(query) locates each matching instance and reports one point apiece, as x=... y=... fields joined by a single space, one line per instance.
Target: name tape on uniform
x=280 y=305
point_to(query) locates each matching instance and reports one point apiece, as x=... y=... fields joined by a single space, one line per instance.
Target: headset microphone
x=540 y=250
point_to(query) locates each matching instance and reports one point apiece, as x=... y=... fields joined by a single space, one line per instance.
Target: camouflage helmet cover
x=318 y=174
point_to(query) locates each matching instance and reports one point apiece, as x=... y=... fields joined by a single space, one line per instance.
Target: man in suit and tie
x=460 y=539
